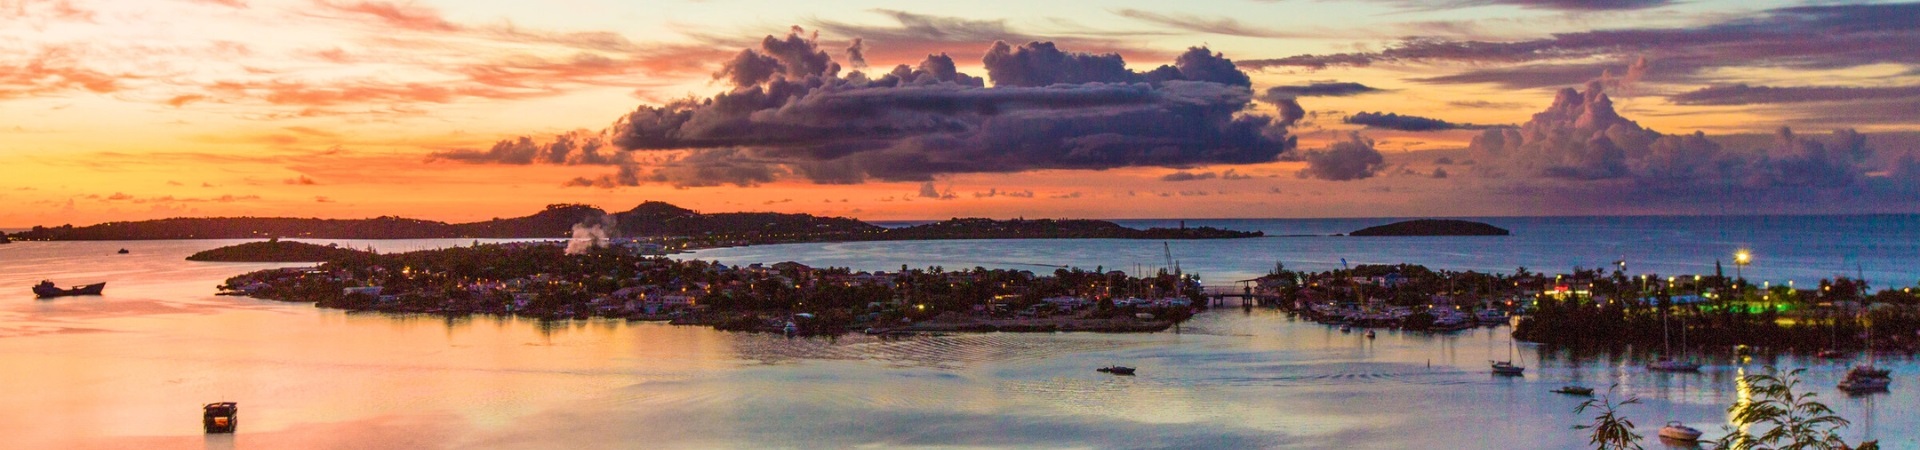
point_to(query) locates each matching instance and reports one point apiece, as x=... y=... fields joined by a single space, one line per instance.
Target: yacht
x=1507 y=368
x=1679 y=432
x=1671 y=365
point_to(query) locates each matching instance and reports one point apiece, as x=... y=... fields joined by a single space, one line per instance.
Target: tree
x=1610 y=430
x=1790 y=420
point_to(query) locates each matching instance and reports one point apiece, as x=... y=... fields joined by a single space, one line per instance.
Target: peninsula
x=648 y=220
x=1432 y=227
x=547 y=280
x=275 y=251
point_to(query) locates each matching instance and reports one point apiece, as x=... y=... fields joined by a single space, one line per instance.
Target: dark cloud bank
x=793 y=111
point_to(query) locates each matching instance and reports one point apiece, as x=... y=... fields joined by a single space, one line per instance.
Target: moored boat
x=1507 y=368
x=1679 y=432
x=1671 y=365
x=1574 y=390
x=1866 y=378
x=46 y=289
x=1116 y=370
x=222 y=417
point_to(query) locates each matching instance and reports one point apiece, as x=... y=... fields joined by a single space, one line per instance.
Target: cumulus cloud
x=1581 y=137
x=1317 y=89
x=790 y=112
x=1392 y=121
x=1352 y=159
x=928 y=190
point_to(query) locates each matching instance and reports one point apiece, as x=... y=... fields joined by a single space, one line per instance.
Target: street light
x=1741 y=259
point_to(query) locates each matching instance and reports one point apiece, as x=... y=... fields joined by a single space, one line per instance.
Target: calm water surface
x=130 y=369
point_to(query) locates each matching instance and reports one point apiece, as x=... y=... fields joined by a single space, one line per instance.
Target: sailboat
x=1866 y=377
x=1666 y=363
x=1507 y=367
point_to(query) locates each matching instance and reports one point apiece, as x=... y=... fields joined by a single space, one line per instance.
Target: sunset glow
x=129 y=110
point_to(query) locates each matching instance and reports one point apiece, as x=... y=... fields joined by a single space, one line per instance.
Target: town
x=542 y=280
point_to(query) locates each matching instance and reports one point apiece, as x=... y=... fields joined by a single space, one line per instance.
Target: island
x=275 y=251
x=650 y=220
x=1432 y=227
x=546 y=280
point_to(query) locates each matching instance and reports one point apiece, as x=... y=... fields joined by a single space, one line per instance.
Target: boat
x=1574 y=390
x=1858 y=384
x=1667 y=364
x=124 y=251
x=790 y=328
x=1346 y=328
x=221 y=417
x=1369 y=334
x=46 y=289
x=1830 y=354
x=1866 y=377
x=1679 y=432
x=1507 y=368
x=1116 y=370
x=1671 y=365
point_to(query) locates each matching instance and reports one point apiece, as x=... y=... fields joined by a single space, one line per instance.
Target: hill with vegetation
x=276 y=251
x=649 y=219
x=1432 y=227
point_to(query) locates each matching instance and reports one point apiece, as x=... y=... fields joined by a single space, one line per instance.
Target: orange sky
x=127 y=110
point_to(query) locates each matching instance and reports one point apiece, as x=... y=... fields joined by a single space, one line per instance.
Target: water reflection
x=130 y=370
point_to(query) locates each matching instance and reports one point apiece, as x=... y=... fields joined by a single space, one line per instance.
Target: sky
x=886 y=110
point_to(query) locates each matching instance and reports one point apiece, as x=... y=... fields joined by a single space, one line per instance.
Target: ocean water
x=129 y=369
x=1885 y=249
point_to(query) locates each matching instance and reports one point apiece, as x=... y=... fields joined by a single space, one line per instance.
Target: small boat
x=1830 y=354
x=1117 y=370
x=46 y=289
x=1574 y=390
x=221 y=417
x=1866 y=378
x=1670 y=365
x=1679 y=432
x=124 y=251
x=1507 y=368
x=790 y=329
x=1346 y=328
x=1369 y=334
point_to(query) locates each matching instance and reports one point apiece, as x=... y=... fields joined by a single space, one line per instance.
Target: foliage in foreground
x=1611 y=431
x=1787 y=420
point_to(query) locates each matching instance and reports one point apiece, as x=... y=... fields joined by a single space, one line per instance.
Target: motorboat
x=1507 y=368
x=1830 y=354
x=221 y=417
x=1575 y=390
x=1369 y=334
x=1346 y=328
x=124 y=251
x=1671 y=365
x=1116 y=370
x=46 y=289
x=1679 y=432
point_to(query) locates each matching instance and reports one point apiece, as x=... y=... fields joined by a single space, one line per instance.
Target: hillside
x=275 y=251
x=1432 y=227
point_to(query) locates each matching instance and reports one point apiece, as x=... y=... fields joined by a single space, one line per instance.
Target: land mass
x=548 y=280
x=275 y=251
x=648 y=220
x=1432 y=227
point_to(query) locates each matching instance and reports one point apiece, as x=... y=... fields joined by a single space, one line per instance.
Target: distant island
x=648 y=220
x=1432 y=227
x=275 y=251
